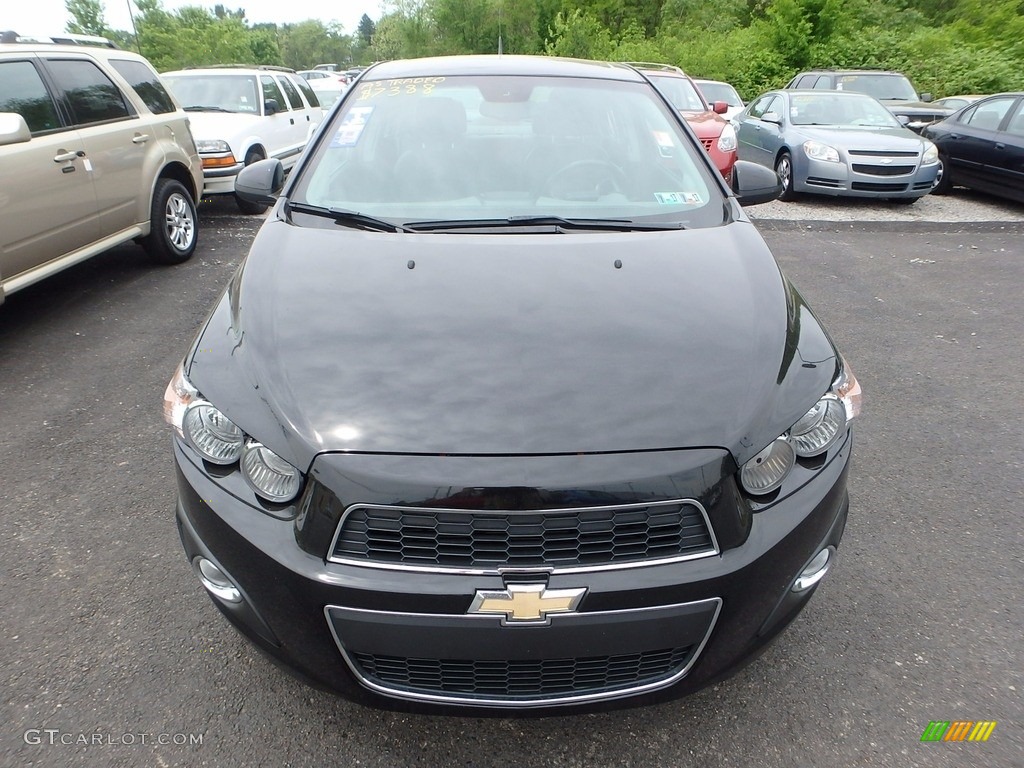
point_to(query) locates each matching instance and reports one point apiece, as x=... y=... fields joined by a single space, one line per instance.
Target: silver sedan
x=836 y=143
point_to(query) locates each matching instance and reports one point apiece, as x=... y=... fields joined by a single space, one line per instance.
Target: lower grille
x=485 y=541
x=820 y=182
x=883 y=170
x=707 y=143
x=864 y=186
x=522 y=679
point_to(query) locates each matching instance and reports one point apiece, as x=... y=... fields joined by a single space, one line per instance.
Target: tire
x=172 y=224
x=784 y=167
x=944 y=186
x=252 y=209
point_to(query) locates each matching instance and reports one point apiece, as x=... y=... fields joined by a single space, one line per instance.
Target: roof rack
x=65 y=38
x=653 y=65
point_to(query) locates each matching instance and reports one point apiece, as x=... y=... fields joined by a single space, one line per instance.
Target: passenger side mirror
x=719 y=107
x=926 y=97
x=271 y=107
x=754 y=184
x=260 y=182
x=13 y=129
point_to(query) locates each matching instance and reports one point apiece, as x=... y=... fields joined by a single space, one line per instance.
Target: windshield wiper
x=348 y=218
x=201 y=108
x=558 y=223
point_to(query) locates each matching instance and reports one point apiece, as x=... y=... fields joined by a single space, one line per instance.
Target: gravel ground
x=963 y=206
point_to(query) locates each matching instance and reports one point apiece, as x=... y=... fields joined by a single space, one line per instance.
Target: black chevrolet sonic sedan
x=509 y=408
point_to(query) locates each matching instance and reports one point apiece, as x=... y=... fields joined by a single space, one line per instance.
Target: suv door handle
x=1000 y=145
x=140 y=138
x=66 y=157
x=291 y=120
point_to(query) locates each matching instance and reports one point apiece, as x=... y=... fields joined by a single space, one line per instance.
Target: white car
x=716 y=90
x=244 y=114
x=328 y=86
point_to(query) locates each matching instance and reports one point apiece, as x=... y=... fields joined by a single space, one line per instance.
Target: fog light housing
x=815 y=570
x=215 y=580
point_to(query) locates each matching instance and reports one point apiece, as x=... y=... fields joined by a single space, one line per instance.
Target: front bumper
x=221 y=181
x=404 y=638
x=876 y=180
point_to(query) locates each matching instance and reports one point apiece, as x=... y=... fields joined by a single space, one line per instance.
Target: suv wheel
x=784 y=167
x=172 y=224
x=251 y=209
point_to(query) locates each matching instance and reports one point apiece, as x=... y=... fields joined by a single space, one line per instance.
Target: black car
x=982 y=147
x=509 y=407
x=893 y=89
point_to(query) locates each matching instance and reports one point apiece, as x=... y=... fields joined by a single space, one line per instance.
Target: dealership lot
x=108 y=633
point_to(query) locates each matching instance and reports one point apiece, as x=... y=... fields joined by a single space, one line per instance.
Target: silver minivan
x=95 y=152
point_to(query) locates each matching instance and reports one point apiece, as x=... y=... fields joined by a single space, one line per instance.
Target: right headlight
x=209 y=146
x=220 y=441
x=813 y=434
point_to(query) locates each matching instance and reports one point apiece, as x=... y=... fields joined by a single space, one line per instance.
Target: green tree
x=86 y=18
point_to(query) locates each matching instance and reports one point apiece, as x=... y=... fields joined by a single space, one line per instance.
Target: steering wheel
x=586 y=179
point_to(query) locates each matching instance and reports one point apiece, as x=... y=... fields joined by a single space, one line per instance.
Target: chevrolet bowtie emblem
x=523 y=603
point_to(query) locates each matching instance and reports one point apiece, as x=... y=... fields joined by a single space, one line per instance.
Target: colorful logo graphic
x=958 y=730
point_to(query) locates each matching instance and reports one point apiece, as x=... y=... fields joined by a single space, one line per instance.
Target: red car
x=715 y=132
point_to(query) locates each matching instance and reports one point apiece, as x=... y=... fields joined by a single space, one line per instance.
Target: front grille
x=490 y=540
x=522 y=679
x=883 y=152
x=864 y=186
x=883 y=170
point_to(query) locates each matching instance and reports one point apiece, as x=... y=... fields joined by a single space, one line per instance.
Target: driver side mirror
x=260 y=182
x=772 y=117
x=719 y=107
x=13 y=129
x=271 y=107
x=754 y=184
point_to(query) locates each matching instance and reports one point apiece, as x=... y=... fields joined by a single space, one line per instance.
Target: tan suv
x=94 y=152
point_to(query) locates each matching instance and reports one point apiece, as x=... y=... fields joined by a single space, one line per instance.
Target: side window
x=774 y=105
x=272 y=91
x=759 y=106
x=805 y=82
x=989 y=114
x=293 y=95
x=1016 y=126
x=308 y=92
x=92 y=95
x=823 y=83
x=146 y=83
x=22 y=91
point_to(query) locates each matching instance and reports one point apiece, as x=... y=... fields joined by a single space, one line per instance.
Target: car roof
x=537 y=66
x=232 y=69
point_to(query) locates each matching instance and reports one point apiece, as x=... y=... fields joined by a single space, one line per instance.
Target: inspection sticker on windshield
x=351 y=127
x=678 y=198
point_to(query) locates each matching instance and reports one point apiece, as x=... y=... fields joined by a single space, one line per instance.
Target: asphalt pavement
x=111 y=653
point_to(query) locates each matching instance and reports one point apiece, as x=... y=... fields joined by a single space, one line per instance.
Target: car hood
x=343 y=340
x=223 y=126
x=707 y=125
x=893 y=139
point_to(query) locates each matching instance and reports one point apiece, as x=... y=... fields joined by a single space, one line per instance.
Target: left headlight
x=727 y=141
x=813 y=434
x=931 y=154
x=220 y=441
x=818 y=151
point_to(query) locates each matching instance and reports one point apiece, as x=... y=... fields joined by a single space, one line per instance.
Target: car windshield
x=680 y=92
x=215 y=93
x=721 y=92
x=882 y=87
x=508 y=151
x=832 y=109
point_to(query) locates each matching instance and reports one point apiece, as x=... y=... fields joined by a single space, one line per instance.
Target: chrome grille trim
x=883 y=152
x=494 y=570
x=618 y=693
